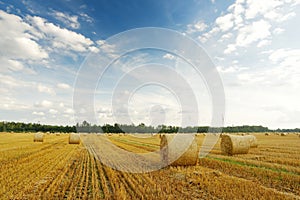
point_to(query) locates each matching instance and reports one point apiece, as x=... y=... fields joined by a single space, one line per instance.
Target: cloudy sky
x=253 y=44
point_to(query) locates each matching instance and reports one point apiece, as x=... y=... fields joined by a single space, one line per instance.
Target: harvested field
x=56 y=169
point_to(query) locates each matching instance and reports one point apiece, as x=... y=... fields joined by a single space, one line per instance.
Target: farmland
x=55 y=169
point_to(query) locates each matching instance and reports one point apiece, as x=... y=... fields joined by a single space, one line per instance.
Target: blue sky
x=253 y=44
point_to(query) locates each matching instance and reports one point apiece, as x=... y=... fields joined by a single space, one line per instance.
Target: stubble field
x=55 y=169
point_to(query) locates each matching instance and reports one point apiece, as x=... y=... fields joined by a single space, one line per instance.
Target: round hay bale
x=57 y=134
x=252 y=140
x=267 y=134
x=38 y=137
x=283 y=134
x=169 y=150
x=234 y=144
x=74 y=138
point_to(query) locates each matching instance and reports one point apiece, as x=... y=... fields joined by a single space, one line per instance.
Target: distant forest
x=121 y=128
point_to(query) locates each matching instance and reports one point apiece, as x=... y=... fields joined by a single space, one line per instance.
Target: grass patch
x=234 y=162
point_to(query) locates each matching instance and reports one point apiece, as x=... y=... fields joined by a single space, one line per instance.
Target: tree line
x=87 y=127
x=34 y=127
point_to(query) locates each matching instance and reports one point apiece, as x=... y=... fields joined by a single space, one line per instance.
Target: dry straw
x=252 y=140
x=170 y=151
x=74 y=138
x=234 y=144
x=38 y=137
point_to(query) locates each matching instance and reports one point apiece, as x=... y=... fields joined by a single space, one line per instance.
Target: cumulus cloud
x=169 y=56
x=53 y=111
x=196 y=27
x=69 y=20
x=225 y=22
x=11 y=65
x=251 y=21
x=18 y=39
x=45 y=89
x=10 y=103
x=278 y=31
x=43 y=104
x=69 y=111
x=226 y=36
x=86 y=17
x=256 y=31
x=286 y=57
x=38 y=113
x=63 y=86
x=27 y=41
x=263 y=43
x=230 y=48
x=60 y=38
x=12 y=82
x=255 y=8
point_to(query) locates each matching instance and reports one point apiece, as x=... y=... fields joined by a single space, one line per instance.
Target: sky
x=253 y=44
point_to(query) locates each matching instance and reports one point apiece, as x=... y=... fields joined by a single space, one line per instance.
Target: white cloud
x=250 y=21
x=43 y=104
x=226 y=36
x=225 y=22
x=279 y=17
x=278 y=31
x=9 y=81
x=93 y=49
x=69 y=111
x=18 y=39
x=286 y=57
x=169 y=56
x=45 y=89
x=250 y=30
x=9 y=103
x=231 y=69
x=38 y=113
x=63 y=86
x=287 y=16
x=11 y=65
x=53 y=111
x=69 y=20
x=199 y=26
x=61 y=38
x=86 y=17
x=255 y=8
x=230 y=48
x=204 y=37
x=106 y=48
x=258 y=30
x=263 y=43
x=100 y=42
